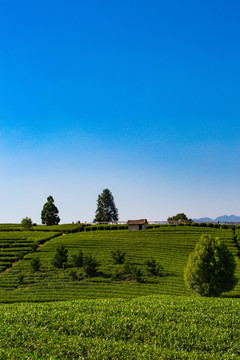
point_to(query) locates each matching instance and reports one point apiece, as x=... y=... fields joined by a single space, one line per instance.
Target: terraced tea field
x=168 y=245
x=149 y=328
x=15 y=244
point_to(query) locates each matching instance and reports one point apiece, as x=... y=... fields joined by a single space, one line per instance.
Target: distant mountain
x=228 y=218
x=204 y=219
x=223 y=218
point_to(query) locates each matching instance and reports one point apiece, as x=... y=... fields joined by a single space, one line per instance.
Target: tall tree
x=49 y=214
x=106 y=209
x=211 y=268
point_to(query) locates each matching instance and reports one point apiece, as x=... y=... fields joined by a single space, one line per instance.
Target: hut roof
x=137 y=222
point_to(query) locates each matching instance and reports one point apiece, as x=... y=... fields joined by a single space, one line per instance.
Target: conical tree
x=211 y=268
x=106 y=209
x=49 y=214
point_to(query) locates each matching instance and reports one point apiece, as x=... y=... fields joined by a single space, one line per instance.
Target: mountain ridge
x=223 y=218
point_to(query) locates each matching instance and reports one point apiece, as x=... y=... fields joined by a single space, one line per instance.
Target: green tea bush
x=113 y=227
x=93 y=228
x=122 y=226
x=147 y=328
x=118 y=256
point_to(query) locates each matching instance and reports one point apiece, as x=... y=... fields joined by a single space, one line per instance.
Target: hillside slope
x=168 y=245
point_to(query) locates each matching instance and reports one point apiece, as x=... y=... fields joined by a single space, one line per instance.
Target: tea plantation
x=168 y=245
x=15 y=244
x=109 y=317
x=148 y=328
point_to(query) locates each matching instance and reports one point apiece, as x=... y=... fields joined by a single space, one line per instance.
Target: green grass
x=168 y=245
x=163 y=327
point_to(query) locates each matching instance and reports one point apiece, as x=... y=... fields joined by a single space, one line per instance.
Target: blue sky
x=141 y=97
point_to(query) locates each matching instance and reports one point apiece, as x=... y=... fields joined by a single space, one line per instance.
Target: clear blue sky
x=141 y=97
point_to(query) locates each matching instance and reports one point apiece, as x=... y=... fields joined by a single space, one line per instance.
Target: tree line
x=106 y=211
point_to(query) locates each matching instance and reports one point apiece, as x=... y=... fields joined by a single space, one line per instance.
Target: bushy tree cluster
x=88 y=263
x=83 y=266
x=181 y=217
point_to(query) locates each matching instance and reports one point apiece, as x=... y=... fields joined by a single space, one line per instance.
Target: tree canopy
x=49 y=214
x=61 y=257
x=181 y=217
x=211 y=268
x=26 y=223
x=106 y=209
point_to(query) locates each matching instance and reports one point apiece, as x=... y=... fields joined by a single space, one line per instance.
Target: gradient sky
x=141 y=97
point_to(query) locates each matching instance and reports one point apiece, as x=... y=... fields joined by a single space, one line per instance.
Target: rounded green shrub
x=210 y=270
x=26 y=224
x=210 y=225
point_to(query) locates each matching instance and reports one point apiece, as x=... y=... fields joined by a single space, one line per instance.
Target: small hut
x=137 y=224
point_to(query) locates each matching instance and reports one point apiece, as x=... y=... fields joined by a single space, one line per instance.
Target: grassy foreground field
x=168 y=245
x=163 y=327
